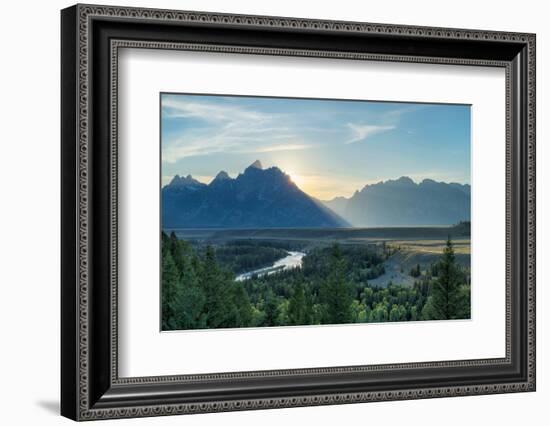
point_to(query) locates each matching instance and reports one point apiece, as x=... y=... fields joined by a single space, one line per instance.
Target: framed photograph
x=263 y=212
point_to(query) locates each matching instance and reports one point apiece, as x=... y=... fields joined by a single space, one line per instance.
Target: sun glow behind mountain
x=318 y=186
x=329 y=148
x=296 y=178
x=272 y=194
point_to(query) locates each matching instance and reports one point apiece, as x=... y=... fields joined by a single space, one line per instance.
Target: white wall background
x=29 y=213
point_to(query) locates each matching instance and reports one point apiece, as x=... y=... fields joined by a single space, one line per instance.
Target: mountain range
x=402 y=202
x=268 y=198
x=256 y=198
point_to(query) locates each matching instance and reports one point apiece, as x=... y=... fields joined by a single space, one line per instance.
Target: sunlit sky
x=329 y=147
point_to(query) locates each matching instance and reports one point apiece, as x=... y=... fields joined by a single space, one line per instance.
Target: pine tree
x=394 y=313
x=379 y=313
x=190 y=299
x=182 y=298
x=170 y=284
x=335 y=292
x=213 y=284
x=270 y=309
x=173 y=245
x=241 y=308
x=297 y=308
x=445 y=299
x=415 y=272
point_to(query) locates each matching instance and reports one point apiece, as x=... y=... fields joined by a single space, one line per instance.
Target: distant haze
x=402 y=202
x=269 y=198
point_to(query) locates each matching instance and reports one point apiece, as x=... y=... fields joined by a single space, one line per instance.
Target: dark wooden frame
x=90 y=386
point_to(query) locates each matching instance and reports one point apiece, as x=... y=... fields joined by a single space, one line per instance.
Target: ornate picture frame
x=91 y=37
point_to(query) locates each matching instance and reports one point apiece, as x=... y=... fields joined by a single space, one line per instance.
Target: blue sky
x=328 y=147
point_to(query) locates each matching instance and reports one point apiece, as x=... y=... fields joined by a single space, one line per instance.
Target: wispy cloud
x=229 y=128
x=361 y=132
x=395 y=114
x=286 y=147
x=184 y=108
x=197 y=147
x=385 y=122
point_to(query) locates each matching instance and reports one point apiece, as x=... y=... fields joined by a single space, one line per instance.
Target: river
x=292 y=260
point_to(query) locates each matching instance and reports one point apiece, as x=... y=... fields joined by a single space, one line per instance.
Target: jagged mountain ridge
x=402 y=202
x=256 y=198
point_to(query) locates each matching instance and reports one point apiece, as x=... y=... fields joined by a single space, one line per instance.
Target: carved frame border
x=84 y=15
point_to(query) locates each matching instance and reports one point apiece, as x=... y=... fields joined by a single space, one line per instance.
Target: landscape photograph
x=279 y=212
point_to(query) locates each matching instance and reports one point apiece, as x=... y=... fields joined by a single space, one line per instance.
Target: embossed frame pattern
x=91 y=37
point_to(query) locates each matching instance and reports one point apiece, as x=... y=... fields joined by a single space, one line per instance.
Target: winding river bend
x=292 y=260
